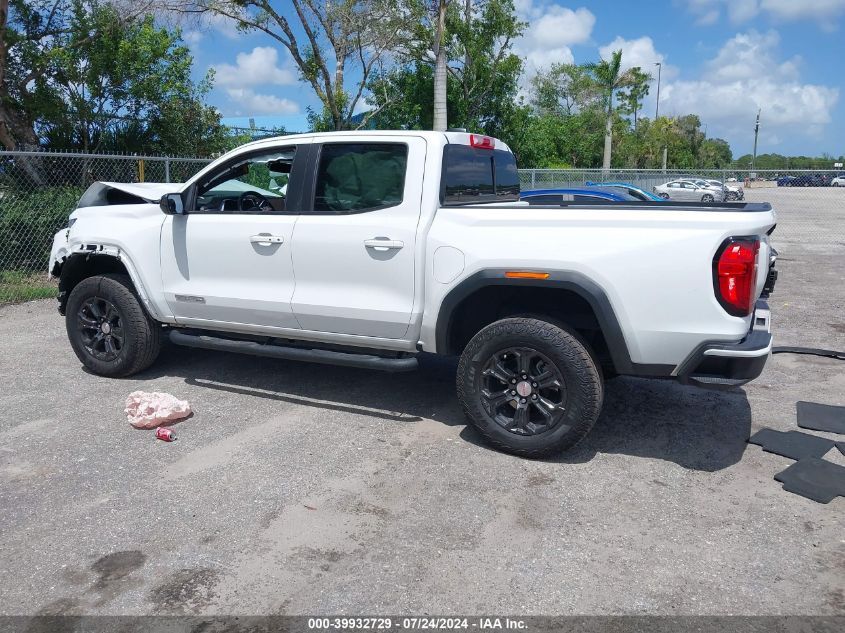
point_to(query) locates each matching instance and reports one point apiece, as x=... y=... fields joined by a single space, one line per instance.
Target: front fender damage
x=71 y=267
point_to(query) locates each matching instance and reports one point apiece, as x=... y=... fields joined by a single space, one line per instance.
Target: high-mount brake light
x=482 y=142
x=735 y=275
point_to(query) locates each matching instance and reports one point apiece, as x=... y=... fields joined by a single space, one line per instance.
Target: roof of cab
x=453 y=137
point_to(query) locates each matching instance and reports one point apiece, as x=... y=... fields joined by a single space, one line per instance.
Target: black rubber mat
x=821 y=417
x=815 y=479
x=792 y=444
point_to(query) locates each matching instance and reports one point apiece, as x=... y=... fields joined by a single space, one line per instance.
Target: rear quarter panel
x=655 y=266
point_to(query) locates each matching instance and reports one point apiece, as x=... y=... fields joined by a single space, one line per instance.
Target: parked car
x=839 y=181
x=574 y=194
x=732 y=191
x=633 y=190
x=805 y=180
x=687 y=190
x=709 y=184
x=410 y=242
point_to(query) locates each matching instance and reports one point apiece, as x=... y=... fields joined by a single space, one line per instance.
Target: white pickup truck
x=367 y=248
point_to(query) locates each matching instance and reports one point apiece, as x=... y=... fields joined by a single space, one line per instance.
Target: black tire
x=109 y=330
x=731 y=196
x=556 y=353
x=707 y=197
x=665 y=196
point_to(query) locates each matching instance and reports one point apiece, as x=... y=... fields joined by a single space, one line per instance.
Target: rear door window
x=359 y=177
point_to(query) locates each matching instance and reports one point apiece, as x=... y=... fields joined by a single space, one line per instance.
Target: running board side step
x=327 y=357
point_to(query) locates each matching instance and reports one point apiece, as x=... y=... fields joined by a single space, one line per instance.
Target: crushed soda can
x=165 y=434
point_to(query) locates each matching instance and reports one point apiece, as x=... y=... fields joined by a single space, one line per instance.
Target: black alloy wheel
x=523 y=391
x=101 y=328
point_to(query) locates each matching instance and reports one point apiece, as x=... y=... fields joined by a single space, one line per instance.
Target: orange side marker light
x=525 y=274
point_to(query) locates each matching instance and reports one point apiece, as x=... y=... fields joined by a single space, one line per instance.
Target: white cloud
x=746 y=74
x=802 y=9
x=708 y=17
x=258 y=67
x=192 y=38
x=639 y=52
x=221 y=25
x=246 y=100
x=749 y=55
x=552 y=31
x=742 y=10
x=825 y=12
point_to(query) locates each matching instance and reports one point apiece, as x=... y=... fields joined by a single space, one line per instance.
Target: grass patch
x=17 y=286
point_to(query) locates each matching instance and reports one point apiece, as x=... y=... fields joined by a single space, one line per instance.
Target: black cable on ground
x=811 y=351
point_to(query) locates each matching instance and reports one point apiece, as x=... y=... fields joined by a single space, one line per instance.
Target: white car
x=732 y=191
x=689 y=191
x=839 y=181
x=388 y=244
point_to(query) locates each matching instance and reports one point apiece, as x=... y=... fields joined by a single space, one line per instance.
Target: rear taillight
x=735 y=275
x=482 y=142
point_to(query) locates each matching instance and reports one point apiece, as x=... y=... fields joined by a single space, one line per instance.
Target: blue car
x=579 y=194
x=637 y=192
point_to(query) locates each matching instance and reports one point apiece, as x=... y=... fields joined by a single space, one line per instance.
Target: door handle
x=265 y=239
x=379 y=244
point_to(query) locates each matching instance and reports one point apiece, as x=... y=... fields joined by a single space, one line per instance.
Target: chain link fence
x=810 y=204
x=39 y=189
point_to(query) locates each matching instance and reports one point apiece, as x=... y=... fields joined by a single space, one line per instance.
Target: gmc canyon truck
x=367 y=248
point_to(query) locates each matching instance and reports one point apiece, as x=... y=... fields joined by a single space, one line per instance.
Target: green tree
x=715 y=153
x=84 y=75
x=610 y=78
x=563 y=90
x=482 y=74
x=631 y=98
x=326 y=39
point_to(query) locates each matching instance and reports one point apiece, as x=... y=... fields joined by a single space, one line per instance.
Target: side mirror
x=171 y=204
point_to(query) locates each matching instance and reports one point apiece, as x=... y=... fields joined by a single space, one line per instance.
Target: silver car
x=689 y=191
x=733 y=191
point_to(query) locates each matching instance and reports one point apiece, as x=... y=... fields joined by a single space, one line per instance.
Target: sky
x=721 y=59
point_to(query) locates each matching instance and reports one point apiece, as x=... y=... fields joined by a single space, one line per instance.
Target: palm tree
x=440 y=68
x=609 y=78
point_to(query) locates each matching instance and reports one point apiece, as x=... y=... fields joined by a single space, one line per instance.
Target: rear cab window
x=475 y=176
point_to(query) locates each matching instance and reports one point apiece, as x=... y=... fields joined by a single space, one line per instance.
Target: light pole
x=756 y=130
x=657 y=103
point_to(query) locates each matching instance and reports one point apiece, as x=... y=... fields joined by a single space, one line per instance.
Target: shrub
x=28 y=222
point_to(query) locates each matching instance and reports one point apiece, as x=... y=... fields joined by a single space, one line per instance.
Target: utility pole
x=756 y=130
x=657 y=103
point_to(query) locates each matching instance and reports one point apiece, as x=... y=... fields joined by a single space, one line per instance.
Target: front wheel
x=108 y=329
x=529 y=387
x=665 y=196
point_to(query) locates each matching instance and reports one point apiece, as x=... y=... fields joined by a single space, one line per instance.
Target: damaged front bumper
x=58 y=252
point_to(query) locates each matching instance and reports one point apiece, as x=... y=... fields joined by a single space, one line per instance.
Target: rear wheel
x=665 y=196
x=707 y=197
x=108 y=329
x=529 y=387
